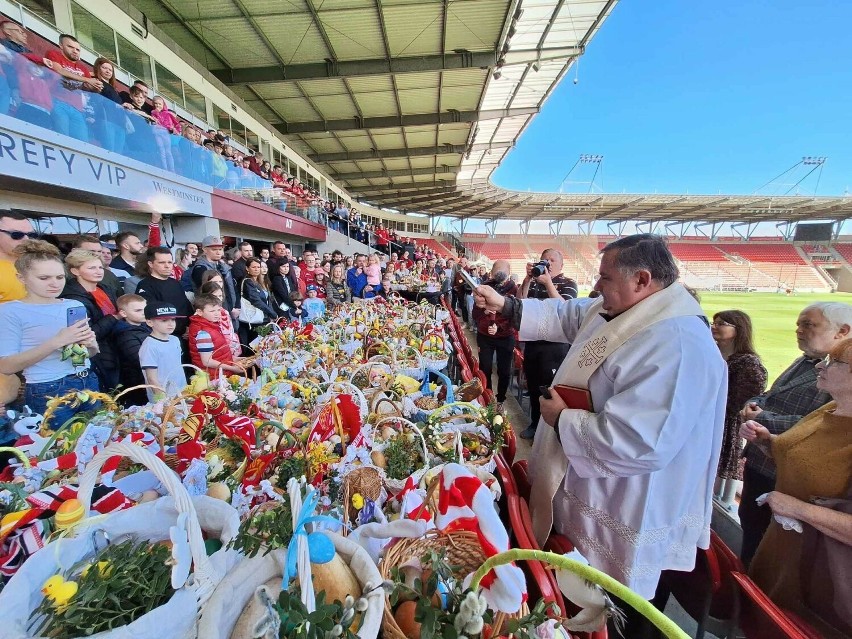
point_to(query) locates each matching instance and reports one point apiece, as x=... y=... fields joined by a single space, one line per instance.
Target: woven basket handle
x=204 y=573
x=413 y=427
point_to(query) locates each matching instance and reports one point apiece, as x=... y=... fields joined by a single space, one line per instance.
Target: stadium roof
x=412 y=104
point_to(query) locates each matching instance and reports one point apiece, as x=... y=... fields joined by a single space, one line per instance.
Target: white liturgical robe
x=637 y=495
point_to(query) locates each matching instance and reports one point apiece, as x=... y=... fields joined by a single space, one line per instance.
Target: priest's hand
x=551 y=408
x=489 y=299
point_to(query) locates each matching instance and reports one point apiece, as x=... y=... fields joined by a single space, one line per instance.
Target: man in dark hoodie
x=129 y=333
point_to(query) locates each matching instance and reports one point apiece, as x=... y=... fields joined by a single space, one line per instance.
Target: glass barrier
x=31 y=92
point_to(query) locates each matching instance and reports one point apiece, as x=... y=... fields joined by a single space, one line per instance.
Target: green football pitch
x=773 y=316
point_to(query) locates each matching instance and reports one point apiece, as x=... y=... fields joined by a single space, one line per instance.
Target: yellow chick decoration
x=59 y=591
x=104 y=569
x=357 y=501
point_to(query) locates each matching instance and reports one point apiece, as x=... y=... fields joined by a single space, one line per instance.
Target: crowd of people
x=57 y=91
x=629 y=475
x=200 y=303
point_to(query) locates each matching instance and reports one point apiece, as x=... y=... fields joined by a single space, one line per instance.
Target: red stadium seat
x=707 y=592
x=521 y=472
x=507 y=484
x=759 y=618
x=510 y=446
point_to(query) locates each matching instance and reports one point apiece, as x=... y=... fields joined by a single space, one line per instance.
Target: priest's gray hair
x=837 y=314
x=645 y=252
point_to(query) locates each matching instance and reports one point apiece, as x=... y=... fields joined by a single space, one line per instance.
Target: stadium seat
x=759 y=618
x=707 y=592
x=520 y=470
x=510 y=446
x=503 y=472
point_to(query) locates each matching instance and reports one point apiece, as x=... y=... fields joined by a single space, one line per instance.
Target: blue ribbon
x=320 y=547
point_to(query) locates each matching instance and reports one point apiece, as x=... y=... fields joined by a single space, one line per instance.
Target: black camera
x=540 y=268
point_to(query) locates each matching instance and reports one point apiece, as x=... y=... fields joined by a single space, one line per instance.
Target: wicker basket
x=462 y=549
x=392 y=483
x=366 y=481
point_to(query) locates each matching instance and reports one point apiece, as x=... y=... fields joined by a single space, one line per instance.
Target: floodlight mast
x=585 y=158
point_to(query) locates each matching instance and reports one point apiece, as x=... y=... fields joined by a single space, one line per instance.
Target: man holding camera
x=544 y=280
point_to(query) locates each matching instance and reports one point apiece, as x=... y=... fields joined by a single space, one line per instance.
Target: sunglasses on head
x=19 y=235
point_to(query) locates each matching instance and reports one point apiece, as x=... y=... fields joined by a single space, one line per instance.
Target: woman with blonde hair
x=46 y=338
x=87 y=271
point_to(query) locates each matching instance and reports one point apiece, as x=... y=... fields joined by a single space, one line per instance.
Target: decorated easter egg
x=69 y=513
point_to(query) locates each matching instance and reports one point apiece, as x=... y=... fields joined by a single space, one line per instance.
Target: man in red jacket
x=494 y=332
x=68 y=117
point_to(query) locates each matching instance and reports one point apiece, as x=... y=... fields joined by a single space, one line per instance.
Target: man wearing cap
x=214 y=249
x=159 y=287
x=160 y=355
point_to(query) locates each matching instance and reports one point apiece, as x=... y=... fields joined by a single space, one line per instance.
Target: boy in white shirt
x=160 y=353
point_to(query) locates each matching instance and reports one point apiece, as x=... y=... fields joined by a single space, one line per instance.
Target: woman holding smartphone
x=37 y=328
x=87 y=272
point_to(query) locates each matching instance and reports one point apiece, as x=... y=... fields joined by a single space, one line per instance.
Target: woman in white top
x=36 y=330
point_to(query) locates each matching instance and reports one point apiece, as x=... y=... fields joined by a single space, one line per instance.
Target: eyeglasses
x=19 y=235
x=829 y=360
x=720 y=323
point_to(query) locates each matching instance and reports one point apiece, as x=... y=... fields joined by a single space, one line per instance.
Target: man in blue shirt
x=356 y=279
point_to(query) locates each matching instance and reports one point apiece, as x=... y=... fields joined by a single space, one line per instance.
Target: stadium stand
x=770 y=264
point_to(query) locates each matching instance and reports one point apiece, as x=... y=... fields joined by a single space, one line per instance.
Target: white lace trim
x=585 y=438
x=631 y=535
x=547 y=319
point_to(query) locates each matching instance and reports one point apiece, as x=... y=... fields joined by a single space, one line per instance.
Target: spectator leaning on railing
x=68 y=104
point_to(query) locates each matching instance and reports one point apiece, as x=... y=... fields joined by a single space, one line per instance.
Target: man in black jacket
x=161 y=287
x=238 y=269
x=214 y=249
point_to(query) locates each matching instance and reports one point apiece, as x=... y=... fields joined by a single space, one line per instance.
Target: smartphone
x=468 y=279
x=75 y=314
x=545 y=392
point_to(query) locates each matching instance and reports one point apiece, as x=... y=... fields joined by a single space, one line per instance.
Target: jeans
x=37 y=395
x=69 y=121
x=505 y=349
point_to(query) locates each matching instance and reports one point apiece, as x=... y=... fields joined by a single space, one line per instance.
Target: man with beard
x=494 y=332
x=129 y=248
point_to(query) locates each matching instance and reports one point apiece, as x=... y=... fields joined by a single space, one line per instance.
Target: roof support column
x=616 y=227
x=525 y=227
x=651 y=226
x=750 y=228
x=585 y=228
x=491 y=227
x=715 y=227
x=787 y=229
x=683 y=228
x=556 y=227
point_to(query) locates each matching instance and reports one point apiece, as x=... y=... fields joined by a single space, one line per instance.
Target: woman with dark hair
x=110 y=118
x=747 y=376
x=283 y=284
x=253 y=288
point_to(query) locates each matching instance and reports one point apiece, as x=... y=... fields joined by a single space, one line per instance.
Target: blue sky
x=700 y=97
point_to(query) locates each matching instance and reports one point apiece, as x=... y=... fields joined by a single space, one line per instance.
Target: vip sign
x=43 y=156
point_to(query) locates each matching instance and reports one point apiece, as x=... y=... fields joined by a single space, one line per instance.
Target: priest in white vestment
x=630 y=483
